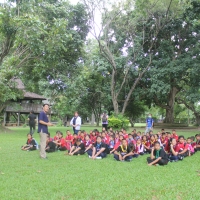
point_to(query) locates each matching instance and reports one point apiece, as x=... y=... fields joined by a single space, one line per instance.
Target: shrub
x=118 y=121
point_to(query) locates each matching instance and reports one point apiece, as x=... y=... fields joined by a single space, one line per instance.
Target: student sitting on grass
x=69 y=139
x=99 y=150
x=197 y=142
x=88 y=143
x=111 y=143
x=158 y=156
x=30 y=144
x=61 y=145
x=122 y=152
x=146 y=144
x=173 y=152
x=56 y=137
x=183 y=148
x=78 y=148
x=190 y=147
x=50 y=146
x=139 y=148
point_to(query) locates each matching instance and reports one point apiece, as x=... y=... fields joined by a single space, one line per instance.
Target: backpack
x=104 y=118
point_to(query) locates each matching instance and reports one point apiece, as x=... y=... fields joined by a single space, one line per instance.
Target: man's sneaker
x=90 y=156
x=98 y=158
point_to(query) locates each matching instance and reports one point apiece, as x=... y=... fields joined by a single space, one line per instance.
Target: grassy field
x=24 y=176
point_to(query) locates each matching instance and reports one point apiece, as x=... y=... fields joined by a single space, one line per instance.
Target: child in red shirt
x=61 y=144
x=56 y=137
x=93 y=137
x=146 y=144
x=174 y=150
x=174 y=135
x=30 y=144
x=69 y=139
x=182 y=148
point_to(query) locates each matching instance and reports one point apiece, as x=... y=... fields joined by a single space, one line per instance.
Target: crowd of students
x=162 y=147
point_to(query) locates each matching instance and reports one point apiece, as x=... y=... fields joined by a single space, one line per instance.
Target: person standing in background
x=76 y=123
x=43 y=123
x=149 y=123
x=104 y=119
x=32 y=122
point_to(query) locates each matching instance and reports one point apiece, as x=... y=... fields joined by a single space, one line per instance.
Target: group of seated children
x=162 y=147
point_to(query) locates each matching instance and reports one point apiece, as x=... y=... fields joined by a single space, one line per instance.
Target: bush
x=118 y=121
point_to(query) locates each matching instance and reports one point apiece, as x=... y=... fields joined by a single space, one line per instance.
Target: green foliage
x=118 y=121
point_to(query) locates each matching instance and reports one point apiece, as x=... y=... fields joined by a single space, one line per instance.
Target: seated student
x=173 y=150
x=56 y=137
x=130 y=139
x=125 y=134
x=61 y=144
x=30 y=144
x=152 y=141
x=88 y=143
x=99 y=150
x=82 y=136
x=117 y=144
x=116 y=138
x=163 y=140
x=139 y=148
x=50 y=139
x=50 y=146
x=157 y=139
x=139 y=135
x=197 y=136
x=78 y=148
x=158 y=156
x=193 y=143
x=122 y=152
x=174 y=135
x=75 y=137
x=105 y=138
x=93 y=137
x=183 y=148
x=190 y=147
x=111 y=143
x=69 y=139
x=146 y=144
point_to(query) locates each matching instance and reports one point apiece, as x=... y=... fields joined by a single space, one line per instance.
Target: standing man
x=32 y=122
x=76 y=123
x=104 y=119
x=43 y=123
x=149 y=123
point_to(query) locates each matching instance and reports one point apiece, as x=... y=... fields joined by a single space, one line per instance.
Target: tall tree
x=127 y=28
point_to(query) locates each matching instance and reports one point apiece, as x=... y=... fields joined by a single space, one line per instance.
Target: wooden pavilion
x=29 y=102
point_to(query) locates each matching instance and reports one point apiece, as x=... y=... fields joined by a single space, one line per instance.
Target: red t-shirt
x=193 y=144
x=164 y=140
x=56 y=138
x=182 y=146
x=125 y=136
x=69 y=137
x=146 y=143
x=93 y=139
x=63 y=143
x=106 y=140
x=117 y=144
x=87 y=143
x=175 y=136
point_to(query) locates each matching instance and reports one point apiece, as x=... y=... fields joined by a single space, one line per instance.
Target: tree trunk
x=169 y=118
x=197 y=117
x=131 y=122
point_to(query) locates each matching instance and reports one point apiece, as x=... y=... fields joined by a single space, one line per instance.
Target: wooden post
x=18 y=119
x=4 y=119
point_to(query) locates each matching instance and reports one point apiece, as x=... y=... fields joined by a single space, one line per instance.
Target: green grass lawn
x=24 y=176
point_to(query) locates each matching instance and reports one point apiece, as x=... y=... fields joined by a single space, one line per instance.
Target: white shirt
x=78 y=123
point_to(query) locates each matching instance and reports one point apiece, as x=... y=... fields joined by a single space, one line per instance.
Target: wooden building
x=29 y=102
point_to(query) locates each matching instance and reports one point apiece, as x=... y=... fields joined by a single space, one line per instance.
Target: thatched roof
x=27 y=95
